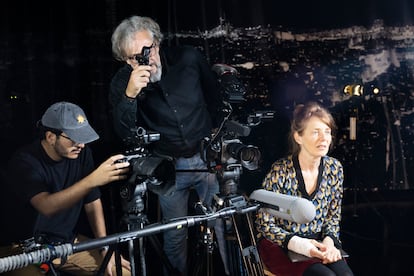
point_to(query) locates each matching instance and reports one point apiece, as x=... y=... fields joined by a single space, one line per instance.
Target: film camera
x=224 y=152
x=143 y=58
x=147 y=171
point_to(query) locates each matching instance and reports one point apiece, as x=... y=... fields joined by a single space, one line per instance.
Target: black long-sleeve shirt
x=183 y=106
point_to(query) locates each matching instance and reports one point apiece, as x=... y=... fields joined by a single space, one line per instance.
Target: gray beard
x=157 y=76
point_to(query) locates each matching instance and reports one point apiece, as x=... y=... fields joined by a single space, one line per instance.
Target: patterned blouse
x=285 y=177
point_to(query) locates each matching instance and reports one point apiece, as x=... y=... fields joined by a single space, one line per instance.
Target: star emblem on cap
x=81 y=119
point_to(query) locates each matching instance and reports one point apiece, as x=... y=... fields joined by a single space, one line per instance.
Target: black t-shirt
x=31 y=171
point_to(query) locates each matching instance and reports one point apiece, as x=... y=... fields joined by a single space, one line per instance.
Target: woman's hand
x=331 y=253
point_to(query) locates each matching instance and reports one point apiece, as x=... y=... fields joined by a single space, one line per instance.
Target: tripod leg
x=131 y=256
x=258 y=265
x=232 y=250
x=105 y=261
x=250 y=254
x=208 y=240
x=202 y=260
x=142 y=256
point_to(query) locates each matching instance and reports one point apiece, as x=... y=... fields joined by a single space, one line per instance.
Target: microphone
x=287 y=207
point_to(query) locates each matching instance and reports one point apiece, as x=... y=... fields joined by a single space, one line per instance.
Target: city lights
x=359 y=90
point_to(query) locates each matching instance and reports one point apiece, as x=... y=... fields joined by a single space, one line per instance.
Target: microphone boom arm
x=61 y=251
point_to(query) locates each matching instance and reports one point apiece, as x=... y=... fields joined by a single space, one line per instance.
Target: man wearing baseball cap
x=49 y=182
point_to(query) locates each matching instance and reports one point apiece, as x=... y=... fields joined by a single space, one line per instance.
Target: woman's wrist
x=300 y=245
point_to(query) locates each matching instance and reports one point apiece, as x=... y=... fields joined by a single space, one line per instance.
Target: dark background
x=60 y=50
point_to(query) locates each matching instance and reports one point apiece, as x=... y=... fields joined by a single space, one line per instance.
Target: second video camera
x=147 y=171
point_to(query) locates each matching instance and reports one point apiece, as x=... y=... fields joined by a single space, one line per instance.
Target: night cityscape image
x=358 y=72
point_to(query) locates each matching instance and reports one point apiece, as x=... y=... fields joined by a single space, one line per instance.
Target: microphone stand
x=62 y=251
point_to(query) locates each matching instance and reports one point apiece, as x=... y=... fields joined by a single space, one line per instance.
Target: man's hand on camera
x=109 y=171
x=140 y=77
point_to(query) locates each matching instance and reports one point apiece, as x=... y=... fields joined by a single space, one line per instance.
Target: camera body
x=224 y=152
x=143 y=58
x=147 y=171
x=226 y=155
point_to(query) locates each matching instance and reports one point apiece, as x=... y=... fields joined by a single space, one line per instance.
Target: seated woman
x=308 y=173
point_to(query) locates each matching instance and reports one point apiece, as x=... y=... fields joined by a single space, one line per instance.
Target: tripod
x=205 y=245
x=135 y=220
x=240 y=252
